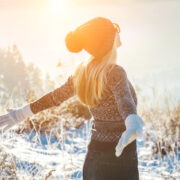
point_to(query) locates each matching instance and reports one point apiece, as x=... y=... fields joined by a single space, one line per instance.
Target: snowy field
x=35 y=156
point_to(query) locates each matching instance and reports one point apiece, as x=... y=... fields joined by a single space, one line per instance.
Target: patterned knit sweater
x=116 y=104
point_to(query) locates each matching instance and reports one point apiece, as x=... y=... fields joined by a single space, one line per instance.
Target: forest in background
x=18 y=79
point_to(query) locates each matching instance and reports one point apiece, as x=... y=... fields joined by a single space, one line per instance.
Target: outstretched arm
x=51 y=99
x=121 y=89
x=54 y=98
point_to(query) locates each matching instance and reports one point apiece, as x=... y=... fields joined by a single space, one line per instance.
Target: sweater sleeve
x=55 y=97
x=133 y=93
x=119 y=85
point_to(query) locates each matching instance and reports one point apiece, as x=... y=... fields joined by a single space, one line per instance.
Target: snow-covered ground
x=45 y=157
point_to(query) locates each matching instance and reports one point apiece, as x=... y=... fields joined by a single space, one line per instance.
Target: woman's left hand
x=134 y=128
x=14 y=117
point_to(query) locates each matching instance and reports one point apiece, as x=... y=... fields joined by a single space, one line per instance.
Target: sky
x=149 y=32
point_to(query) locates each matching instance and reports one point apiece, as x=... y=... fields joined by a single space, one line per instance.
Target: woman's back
x=109 y=115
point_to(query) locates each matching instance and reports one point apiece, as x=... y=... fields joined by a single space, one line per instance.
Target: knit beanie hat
x=95 y=36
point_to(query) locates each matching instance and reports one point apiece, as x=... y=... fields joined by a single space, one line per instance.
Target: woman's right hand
x=134 y=128
x=14 y=117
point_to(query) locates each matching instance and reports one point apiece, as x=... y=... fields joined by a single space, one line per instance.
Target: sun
x=58 y=5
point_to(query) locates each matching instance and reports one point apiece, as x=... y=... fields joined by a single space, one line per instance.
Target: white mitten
x=134 y=128
x=15 y=116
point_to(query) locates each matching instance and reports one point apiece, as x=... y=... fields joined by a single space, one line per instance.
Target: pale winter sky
x=149 y=31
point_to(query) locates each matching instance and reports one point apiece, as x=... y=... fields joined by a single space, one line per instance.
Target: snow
x=36 y=155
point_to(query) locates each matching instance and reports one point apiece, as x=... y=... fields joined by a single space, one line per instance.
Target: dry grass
x=162 y=113
x=7 y=166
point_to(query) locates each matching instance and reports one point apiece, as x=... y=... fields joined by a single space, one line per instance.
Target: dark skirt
x=104 y=165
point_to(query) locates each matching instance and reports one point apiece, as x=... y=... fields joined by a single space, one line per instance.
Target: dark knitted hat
x=95 y=36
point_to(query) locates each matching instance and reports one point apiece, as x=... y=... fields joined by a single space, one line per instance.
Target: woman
x=104 y=88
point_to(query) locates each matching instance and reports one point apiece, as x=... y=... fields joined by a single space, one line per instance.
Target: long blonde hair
x=90 y=78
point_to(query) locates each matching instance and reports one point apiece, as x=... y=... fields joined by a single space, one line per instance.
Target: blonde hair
x=90 y=78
